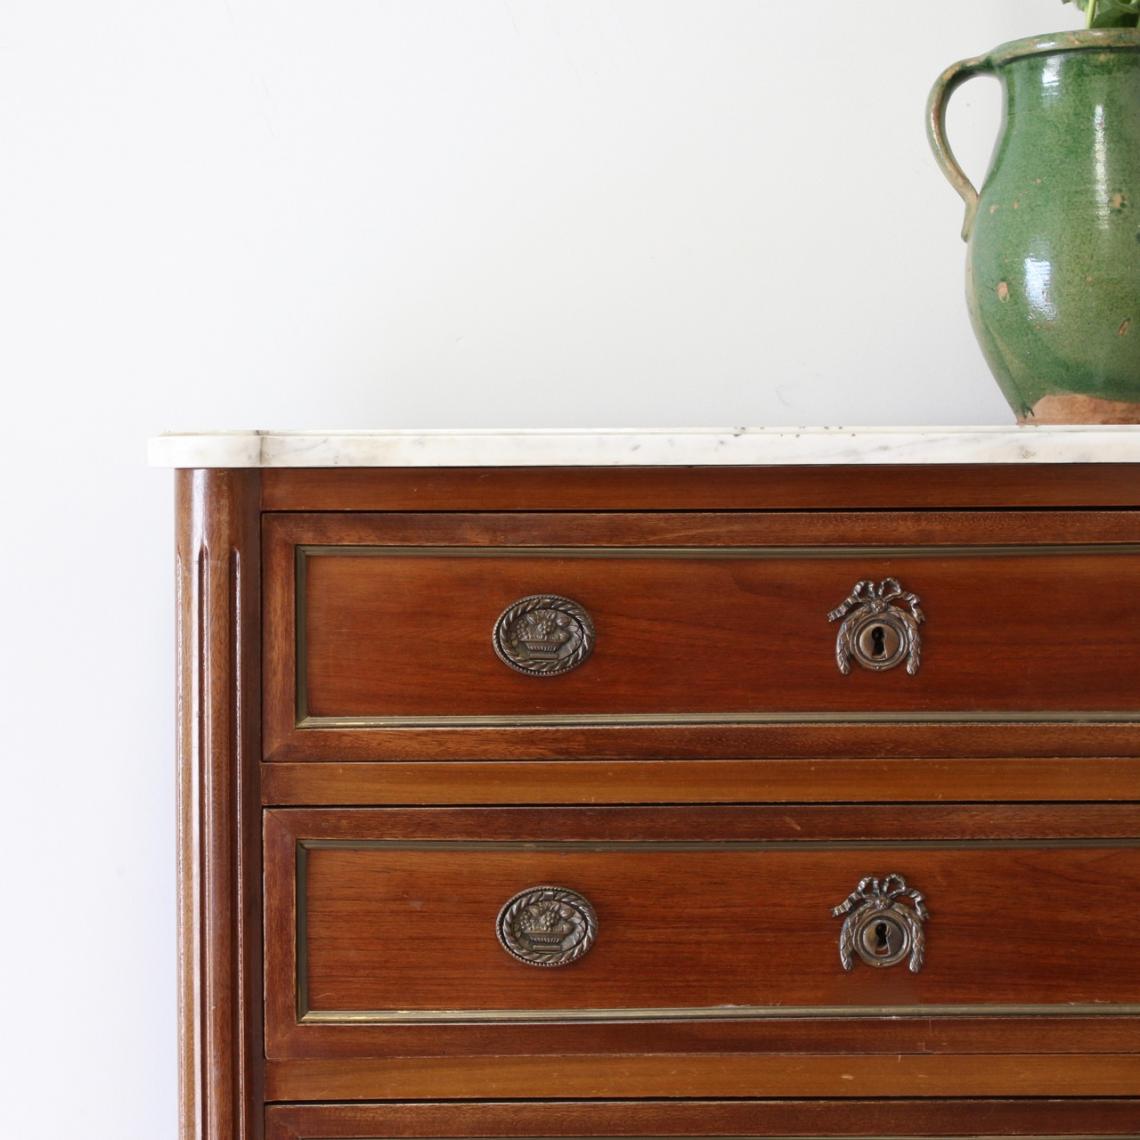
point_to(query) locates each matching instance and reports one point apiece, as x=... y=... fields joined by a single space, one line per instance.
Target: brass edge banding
x=728 y=719
x=954 y=550
x=300 y=586
x=303 y=551
x=709 y=1013
x=302 y=950
x=608 y=846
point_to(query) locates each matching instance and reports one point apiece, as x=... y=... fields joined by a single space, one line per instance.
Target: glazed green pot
x=1053 y=268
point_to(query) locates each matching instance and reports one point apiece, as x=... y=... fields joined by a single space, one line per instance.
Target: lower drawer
x=1038 y=1118
x=792 y=929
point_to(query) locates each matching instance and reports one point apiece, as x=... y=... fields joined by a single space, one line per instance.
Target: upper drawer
x=376 y=624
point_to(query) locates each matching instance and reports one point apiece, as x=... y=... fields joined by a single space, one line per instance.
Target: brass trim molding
x=301 y=910
x=614 y=845
x=679 y=720
x=303 y=720
x=710 y=1013
x=956 y=550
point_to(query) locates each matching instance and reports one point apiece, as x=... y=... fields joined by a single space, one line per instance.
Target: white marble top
x=655 y=447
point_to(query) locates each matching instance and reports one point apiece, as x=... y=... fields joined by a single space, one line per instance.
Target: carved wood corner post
x=219 y=870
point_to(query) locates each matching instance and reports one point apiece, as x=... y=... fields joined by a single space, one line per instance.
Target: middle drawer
x=482 y=918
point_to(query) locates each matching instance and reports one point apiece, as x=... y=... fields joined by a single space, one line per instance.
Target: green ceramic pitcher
x=1053 y=267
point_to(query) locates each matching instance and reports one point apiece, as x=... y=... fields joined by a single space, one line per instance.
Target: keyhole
x=882 y=945
x=877 y=646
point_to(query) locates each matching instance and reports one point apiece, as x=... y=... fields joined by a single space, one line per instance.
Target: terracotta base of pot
x=1082 y=410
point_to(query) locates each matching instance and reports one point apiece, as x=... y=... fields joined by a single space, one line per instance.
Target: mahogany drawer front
x=387 y=918
x=1030 y=1118
x=382 y=625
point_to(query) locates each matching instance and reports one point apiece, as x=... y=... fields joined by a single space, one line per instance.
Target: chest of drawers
x=741 y=785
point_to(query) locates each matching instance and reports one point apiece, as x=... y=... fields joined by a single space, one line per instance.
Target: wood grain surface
x=1005 y=486
x=752 y=1118
x=705 y=1075
x=813 y=779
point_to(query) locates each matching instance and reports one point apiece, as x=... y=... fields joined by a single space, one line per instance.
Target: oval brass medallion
x=547 y=926
x=544 y=635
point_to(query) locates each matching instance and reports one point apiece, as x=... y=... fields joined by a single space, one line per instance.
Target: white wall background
x=396 y=213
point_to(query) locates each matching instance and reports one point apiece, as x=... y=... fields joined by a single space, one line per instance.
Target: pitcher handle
x=949 y=82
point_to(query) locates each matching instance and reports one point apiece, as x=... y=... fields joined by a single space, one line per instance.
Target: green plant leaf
x=1116 y=14
x=1111 y=13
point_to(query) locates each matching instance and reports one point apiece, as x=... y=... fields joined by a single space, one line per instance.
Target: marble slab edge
x=743 y=447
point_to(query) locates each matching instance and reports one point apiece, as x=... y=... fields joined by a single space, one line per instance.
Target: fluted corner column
x=219 y=866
